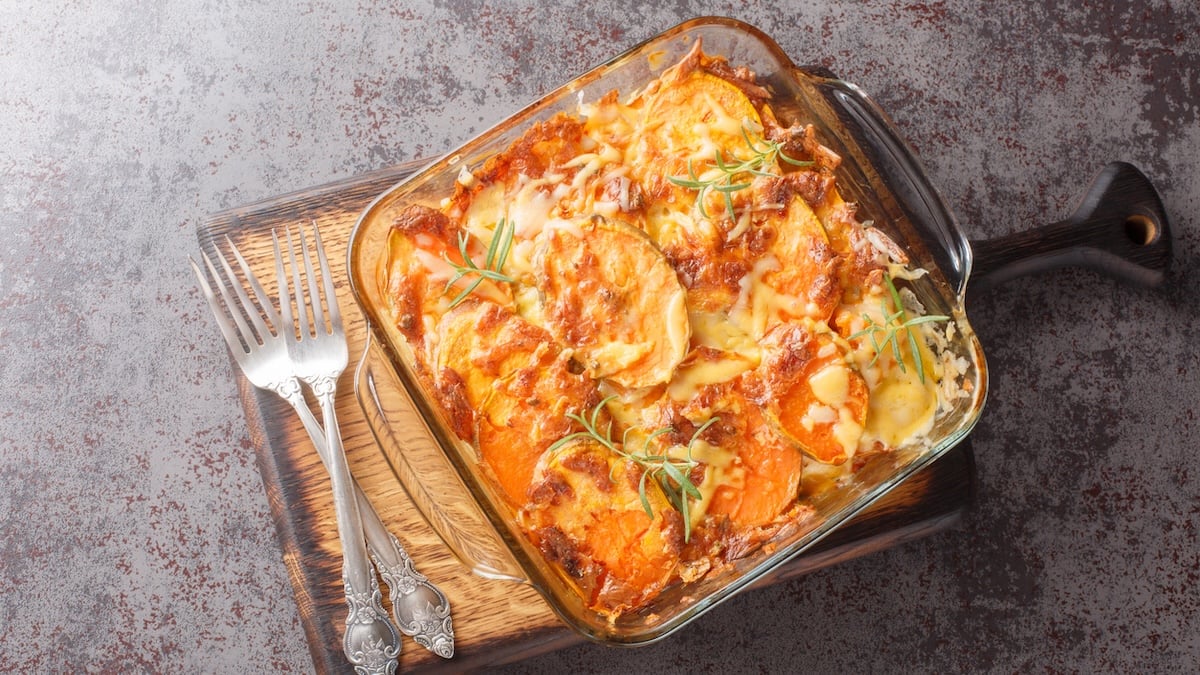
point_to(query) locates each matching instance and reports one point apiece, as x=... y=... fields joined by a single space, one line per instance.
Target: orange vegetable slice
x=519 y=380
x=770 y=469
x=814 y=396
x=807 y=273
x=702 y=110
x=608 y=292
x=586 y=512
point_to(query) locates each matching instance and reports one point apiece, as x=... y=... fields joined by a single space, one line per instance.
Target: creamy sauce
x=901 y=406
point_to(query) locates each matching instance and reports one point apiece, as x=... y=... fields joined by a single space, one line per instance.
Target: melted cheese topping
x=693 y=377
x=720 y=471
x=693 y=347
x=831 y=385
x=753 y=309
x=902 y=406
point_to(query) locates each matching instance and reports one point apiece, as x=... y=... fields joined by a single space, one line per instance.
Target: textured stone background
x=134 y=531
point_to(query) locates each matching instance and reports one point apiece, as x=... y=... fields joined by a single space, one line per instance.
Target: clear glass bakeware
x=879 y=173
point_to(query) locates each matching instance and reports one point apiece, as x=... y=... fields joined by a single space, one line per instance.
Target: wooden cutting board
x=495 y=622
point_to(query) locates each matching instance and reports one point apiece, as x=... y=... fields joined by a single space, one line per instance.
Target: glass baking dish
x=878 y=172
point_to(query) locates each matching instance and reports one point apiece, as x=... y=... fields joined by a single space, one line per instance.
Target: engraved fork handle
x=370 y=641
x=420 y=608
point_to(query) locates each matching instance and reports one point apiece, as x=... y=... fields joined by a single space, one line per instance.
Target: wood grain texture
x=495 y=622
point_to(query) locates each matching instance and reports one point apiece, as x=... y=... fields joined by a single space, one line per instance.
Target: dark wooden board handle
x=1119 y=229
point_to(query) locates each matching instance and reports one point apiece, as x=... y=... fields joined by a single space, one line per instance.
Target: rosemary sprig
x=704 y=185
x=895 y=322
x=726 y=172
x=672 y=473
x=497 y=253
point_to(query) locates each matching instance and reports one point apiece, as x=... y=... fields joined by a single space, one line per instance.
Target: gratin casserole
x=662 y=329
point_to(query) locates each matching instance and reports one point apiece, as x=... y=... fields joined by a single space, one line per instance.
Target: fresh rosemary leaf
x=497 y=254
x=673 y=474
x=730 y=173
x=894 y=323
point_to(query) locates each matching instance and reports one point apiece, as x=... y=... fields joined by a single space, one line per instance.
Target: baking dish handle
x=1119 y=229
x=422 y=469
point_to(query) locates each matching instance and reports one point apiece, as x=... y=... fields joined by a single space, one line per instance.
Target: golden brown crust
x=661 y=271
x=546 y=146
x=608 y=292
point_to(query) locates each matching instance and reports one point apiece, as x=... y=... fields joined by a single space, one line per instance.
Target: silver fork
x=421 y=609
x=319 y=354
x=370 y=642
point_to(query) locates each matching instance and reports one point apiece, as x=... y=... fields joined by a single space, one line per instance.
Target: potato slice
x=587 y=514
x=521 y=382
x=807 y=275
x=608 y=292
x=814 y=397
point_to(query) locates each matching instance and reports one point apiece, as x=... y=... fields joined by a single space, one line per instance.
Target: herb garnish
x=497 y=253
x=893 y=324
x=721 y=177
x=672 y=473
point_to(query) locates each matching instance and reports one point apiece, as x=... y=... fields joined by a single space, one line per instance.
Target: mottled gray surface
x=134 y=531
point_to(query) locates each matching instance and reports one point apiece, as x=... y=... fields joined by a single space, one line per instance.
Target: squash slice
x=609 y=293
x=586 y=512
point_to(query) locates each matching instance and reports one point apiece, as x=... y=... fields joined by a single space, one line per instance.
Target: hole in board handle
x=1141 y=230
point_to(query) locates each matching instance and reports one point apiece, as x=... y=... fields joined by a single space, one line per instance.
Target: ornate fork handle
x=420 y=609
x=370 y=641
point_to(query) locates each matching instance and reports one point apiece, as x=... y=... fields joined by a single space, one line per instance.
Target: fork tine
x=335 y=315
x=244 y=304
x=301 y=305
x=314 y=290
x=264 y=301
x=287 y=322
x=231 y=335
x=233 y=309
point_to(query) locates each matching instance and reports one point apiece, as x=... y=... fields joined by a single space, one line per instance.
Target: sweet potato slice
x=686 y=127
x=587 y=514
x=825 y=412
x=702 y=111
x=419 y=235
x=746 y=472
x=807 y=272
x=768 y=466
x=814 y=397
x=609 y=293
x=485 y=342
x=521 y=382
